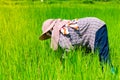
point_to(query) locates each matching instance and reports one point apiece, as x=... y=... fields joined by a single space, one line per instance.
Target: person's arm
x=65 y=44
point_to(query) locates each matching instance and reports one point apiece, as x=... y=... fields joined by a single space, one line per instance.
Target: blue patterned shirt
x=84 y=36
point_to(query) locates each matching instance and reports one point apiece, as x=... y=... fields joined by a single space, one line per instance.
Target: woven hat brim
x=44 y=36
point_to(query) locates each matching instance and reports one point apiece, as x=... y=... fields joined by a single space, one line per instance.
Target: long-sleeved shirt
x=83 y=36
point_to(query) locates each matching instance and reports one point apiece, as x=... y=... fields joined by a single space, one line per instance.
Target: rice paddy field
x=24 y=57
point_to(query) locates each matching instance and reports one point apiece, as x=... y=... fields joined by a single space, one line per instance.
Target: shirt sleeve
x=65 y=43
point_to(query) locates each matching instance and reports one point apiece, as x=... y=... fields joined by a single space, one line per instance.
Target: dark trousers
x=102 y=46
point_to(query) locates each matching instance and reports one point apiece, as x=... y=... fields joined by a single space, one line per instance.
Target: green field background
x=24 y=57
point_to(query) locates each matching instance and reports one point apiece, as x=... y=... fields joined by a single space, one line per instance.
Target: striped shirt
x=84 y=36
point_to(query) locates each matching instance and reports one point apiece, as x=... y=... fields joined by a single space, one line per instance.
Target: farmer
x=89 y=32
